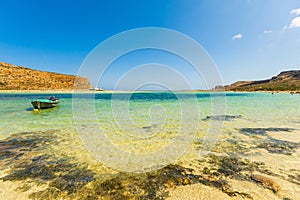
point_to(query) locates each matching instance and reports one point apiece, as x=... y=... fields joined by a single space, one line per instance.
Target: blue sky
x=247 y=39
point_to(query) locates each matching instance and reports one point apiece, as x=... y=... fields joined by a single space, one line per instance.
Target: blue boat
x=45 y=103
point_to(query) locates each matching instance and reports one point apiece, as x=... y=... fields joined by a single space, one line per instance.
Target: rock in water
x=222 y=117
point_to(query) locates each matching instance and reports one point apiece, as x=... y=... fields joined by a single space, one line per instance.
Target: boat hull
x=43 y=105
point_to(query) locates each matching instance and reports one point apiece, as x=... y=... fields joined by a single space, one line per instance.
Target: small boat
x=97 y=89
x=45 y=103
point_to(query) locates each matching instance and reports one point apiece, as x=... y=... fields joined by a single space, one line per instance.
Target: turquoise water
x=17 y=116
x=253 y=127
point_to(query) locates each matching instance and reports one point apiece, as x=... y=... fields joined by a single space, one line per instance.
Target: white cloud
x=267 y=31
x=237 y=36
x=295 y=22
x=295 y=11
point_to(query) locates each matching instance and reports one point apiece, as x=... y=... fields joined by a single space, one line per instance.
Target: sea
x=150 y=145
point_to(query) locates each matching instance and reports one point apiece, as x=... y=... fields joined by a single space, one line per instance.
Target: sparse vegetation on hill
x=285 y=81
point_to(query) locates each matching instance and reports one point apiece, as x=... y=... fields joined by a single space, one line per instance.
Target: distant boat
x=45 y=103
x=97 y=89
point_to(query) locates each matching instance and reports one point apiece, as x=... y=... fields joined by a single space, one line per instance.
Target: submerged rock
x=149 y=128
x=222 y=117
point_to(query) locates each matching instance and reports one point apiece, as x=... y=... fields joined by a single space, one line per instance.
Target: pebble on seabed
x=266 y=182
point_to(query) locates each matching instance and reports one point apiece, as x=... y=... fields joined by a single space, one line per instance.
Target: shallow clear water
x=256 y=127
x=17 y=116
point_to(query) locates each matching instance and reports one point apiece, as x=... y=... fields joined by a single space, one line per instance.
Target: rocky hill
x=285 y=81
x=21 y=78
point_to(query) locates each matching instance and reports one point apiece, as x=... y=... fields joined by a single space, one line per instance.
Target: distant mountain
x=22 y=78
x=285 y=81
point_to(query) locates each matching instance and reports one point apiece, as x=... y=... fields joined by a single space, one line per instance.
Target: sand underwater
x=256 y=156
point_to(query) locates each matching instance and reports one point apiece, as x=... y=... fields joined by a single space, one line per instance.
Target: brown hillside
x=21 y=78
x=285 y=81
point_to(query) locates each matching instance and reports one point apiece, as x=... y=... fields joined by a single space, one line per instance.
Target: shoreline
x=126 y=91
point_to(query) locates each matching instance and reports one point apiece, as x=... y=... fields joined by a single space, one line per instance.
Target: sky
x=246 y=39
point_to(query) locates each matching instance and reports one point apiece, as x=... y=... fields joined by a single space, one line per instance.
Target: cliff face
x=285 y=81
x=21 y=78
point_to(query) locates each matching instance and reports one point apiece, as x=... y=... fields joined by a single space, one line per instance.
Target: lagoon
x=44 y=154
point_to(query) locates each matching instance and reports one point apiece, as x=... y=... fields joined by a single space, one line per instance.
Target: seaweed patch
x=64 y=178
x=294 y=178
x=279 y=146
x=27 y=163
x=18 y=144
x=262 y=131
x=233 y=166
x=152 y=185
